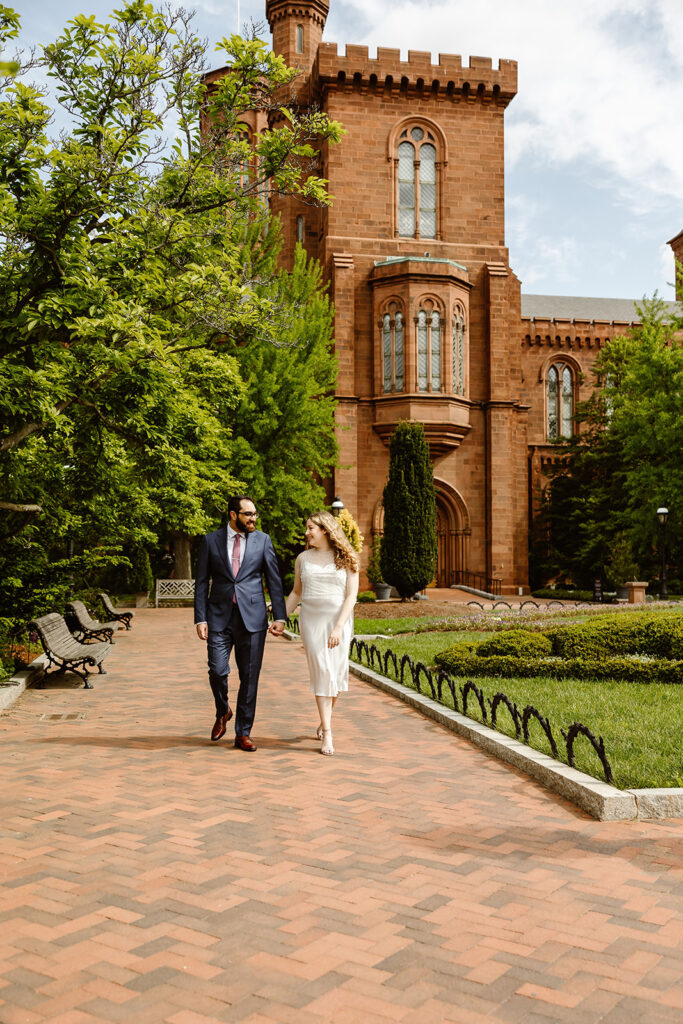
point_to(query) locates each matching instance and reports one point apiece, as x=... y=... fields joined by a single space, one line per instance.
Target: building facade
x=430 y=321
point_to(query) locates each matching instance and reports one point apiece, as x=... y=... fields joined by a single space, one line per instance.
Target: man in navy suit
x=232 y=614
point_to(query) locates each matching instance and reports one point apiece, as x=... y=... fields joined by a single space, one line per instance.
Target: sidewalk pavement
x=149 y=875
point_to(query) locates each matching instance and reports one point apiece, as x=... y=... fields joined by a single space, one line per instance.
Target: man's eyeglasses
x=249 y=515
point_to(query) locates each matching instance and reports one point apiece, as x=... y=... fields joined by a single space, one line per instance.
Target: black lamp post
x=663 y=515
x=336 y=506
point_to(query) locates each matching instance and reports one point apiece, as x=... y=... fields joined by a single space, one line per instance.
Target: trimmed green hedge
x=659 y=636
x=562 y=594
x=506 y=666
x=520 y=643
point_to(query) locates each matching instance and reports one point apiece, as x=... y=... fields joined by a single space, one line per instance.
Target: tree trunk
x=182 y=569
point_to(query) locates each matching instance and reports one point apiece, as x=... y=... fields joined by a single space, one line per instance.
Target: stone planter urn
x=142 y=599
x=382 y=591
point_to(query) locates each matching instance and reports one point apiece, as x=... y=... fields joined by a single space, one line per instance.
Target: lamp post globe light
x=336 y=506
x=663 y=515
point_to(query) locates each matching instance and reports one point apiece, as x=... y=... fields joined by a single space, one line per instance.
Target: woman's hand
x=335 y=637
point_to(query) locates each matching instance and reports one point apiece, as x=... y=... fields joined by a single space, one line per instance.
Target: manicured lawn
x=393 y=626
x=641 y=724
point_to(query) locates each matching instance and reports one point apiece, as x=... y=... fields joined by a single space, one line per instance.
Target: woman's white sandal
x=329 y=750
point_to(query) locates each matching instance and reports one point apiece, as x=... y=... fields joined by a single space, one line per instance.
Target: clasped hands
x=276 y=628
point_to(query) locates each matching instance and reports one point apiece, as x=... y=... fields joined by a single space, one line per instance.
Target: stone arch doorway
x=452 y=533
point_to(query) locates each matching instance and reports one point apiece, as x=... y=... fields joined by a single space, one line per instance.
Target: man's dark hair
x=235 y=503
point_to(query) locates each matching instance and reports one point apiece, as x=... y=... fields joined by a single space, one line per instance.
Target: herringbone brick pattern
x=151 y=876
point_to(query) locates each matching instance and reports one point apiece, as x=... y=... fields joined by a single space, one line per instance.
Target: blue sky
x=594 y=146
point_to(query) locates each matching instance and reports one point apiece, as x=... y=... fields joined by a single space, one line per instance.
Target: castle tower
x=426 y=304
x=297 y=29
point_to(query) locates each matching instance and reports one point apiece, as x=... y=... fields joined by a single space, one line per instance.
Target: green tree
x=127 y=282
x=626 y=460
x=283 y=426
x=408 y=555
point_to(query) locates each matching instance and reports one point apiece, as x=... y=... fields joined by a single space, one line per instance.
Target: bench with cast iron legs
x=84 y=627
x=64 y=651
x=114 y=615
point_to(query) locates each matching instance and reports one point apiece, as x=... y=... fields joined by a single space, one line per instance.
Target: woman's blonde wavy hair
x=344 y=555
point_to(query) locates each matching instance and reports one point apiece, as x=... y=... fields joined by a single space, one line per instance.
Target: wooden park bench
x=114 y=615
x=174 y=590
x=84 y=627
x=64 y=651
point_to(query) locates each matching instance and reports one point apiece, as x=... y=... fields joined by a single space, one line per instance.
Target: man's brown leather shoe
x=244 y=743
x=220 y=725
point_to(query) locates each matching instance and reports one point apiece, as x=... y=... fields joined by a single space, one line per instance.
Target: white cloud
x=600 y=83
x=539 y=256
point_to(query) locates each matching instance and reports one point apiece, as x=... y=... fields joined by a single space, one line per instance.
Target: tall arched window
x=417 y=183
x=459 y=351
x=393 y=330
x=428 y=348
x=299 y=39
x=560 y=401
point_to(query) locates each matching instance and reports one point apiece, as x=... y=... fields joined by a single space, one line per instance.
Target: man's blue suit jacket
x=214 y=604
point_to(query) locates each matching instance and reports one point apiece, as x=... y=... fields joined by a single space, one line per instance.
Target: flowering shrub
x=351 y=529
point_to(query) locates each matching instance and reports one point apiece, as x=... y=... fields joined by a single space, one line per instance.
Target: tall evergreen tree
x=408 y=556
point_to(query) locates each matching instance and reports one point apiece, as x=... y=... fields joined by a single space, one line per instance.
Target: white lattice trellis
x=174 y=590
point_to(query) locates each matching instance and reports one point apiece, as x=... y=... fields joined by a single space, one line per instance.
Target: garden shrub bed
x=660 y=636
x=516 y=643
x=641 y=724
x=630 y=670
x=562 y=594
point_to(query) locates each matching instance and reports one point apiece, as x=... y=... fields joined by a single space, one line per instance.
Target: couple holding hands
x=231 y=612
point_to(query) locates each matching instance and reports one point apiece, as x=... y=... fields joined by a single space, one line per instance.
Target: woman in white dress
x=326 y=585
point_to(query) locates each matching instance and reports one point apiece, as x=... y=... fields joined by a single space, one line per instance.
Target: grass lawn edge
x=599 y=799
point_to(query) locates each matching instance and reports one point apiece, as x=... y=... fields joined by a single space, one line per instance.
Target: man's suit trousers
x=248 y=649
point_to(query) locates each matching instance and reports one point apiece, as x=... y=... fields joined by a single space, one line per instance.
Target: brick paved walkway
x=150 y=876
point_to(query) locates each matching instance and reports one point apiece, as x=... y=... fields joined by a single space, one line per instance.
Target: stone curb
x=602 y=801
x=11 y=690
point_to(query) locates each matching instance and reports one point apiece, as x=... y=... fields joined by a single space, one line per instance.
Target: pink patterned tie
x=235 y=560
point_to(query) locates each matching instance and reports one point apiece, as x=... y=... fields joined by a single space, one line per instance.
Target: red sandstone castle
x=430 y=321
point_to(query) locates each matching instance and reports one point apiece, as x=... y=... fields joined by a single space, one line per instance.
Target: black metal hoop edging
x=520 y=721
x=532 y=712
x=471 y=687
x=502 y=698
x=598 y=746
x=420 y=668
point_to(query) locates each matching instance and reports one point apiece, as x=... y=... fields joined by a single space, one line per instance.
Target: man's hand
x=203 y=630
x=277 y=628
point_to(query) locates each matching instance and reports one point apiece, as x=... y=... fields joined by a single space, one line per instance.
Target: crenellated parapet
x=570 y=334
x=386 y=72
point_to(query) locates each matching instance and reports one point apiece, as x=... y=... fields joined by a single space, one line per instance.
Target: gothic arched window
x=417 y=185
x=393 y=334
x=428 y=348
x=559 y=401
x=459 y=350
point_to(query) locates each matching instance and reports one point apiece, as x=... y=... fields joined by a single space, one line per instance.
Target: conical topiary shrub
x=408 y=556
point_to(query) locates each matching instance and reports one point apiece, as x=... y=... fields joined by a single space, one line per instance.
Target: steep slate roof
x=580 y=307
